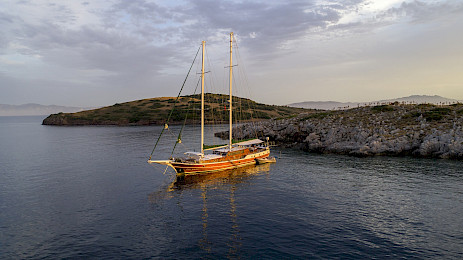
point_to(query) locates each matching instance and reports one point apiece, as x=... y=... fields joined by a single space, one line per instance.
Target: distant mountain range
x=414 y=99
x=36 y=110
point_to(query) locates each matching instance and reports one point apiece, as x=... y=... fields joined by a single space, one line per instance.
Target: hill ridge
x=155 y=111
x=413 y=99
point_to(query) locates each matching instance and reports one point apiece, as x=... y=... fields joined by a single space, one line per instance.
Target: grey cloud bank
x=95 y=53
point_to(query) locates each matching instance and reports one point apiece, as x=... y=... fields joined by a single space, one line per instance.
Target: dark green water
x=87 y=192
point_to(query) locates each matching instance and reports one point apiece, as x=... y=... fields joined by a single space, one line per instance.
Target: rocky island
x=423 y=130
x=155 y=111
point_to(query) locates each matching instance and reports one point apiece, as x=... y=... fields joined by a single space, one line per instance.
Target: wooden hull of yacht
x=191 y=168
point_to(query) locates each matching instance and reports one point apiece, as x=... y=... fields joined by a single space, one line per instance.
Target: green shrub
x=120 y=111
x=135 y=117
x=261 y=115
x=430 y=116
x=436 y=114
x=441 y=110
x=317 y=116
x=425 y=105
x=412 y=114
x=382 y=108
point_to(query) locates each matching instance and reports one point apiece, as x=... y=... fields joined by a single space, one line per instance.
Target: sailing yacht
x=233 y=155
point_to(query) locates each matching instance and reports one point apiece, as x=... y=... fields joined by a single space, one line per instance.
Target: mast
x=230 y=101
x=202 y=99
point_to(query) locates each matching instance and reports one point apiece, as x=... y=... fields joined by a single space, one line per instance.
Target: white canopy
x=225 y=150
x=249 y=142
x=194 y=155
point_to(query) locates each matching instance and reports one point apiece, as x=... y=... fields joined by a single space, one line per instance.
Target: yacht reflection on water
x=225 y=180
x=234 y=176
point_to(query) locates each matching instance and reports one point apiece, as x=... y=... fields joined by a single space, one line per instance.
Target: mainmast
x=202 y=100
x=230 y=101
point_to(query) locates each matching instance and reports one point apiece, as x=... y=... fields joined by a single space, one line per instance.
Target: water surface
x=79 y=192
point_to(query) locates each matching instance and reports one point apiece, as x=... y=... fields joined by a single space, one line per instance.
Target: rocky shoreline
x=423 y=130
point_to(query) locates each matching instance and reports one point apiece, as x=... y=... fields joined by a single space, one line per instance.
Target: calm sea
x=88 y=192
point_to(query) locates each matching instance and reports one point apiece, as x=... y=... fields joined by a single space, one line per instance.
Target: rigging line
x=184 y=121
x=239 y=111
x=173 y=107
x=212 y=96
x=241 y=73
x=251 y=105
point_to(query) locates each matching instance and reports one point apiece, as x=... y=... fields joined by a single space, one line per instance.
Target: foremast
x=202 y=99
x=230 y=100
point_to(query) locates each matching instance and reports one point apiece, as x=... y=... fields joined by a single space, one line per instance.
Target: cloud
x=116 y=43
x=86 y=47
x=263 y=26
x=423 y=12
x=122 y=32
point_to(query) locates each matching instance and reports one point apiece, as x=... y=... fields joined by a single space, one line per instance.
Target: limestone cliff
x=421 y=130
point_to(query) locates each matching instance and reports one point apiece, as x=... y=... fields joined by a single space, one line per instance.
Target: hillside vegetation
x=156 y=110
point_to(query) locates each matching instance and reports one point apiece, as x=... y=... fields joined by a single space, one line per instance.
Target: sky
x=94 y=53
